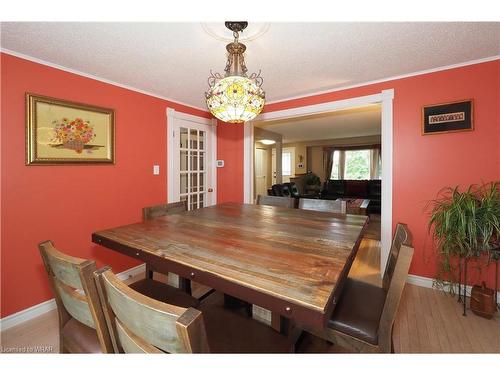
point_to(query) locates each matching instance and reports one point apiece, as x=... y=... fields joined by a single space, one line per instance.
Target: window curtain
x=374 y=160
x=341 y=164
x=328 y=162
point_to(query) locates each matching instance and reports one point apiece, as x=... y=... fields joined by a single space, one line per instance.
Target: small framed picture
x=447 y=117
x=63 y=132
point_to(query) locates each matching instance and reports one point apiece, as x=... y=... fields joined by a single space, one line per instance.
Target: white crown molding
x=393 y=78
x=44 y=307
x=305 y=95
x=96 y=78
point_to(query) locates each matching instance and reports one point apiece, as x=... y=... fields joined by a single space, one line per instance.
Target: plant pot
x=482 y=301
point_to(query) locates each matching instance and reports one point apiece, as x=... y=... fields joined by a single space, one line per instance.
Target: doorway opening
x=353 y=159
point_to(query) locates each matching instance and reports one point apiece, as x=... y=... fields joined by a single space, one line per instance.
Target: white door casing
x=385 y=98
x=273 y=165
x=195 y=154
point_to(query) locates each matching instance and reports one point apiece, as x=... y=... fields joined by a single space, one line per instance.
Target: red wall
x=67 y=203
x=230 y=149
x=425 y=164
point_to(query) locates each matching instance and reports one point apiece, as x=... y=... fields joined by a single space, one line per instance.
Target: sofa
x=355 y=189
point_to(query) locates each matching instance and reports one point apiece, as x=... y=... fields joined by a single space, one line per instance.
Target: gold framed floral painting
x=63 y=132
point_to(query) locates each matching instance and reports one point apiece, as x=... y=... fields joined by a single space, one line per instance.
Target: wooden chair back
x=139 y=324
x=401 y=237
x=395 y=276
x=270 y=200
x=335 y=206
x=72 y=283
x=152 y=212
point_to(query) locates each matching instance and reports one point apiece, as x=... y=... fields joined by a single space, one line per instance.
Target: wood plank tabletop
x=290 y=261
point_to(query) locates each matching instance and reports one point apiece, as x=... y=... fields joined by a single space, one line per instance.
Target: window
x=335 y=168
x=356 y=165
x=286 y=163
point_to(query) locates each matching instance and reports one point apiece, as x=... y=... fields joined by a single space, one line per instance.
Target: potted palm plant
x=465 y=225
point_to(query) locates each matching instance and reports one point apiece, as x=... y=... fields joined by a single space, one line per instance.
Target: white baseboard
x=27 y=314
x=44 y=307
x=427 y=282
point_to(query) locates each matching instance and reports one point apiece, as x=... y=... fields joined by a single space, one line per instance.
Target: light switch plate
x=156 y=170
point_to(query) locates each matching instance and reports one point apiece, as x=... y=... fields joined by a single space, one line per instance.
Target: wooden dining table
x=292 y=262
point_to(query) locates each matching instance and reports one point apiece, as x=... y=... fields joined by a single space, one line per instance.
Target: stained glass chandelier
x=236 y=97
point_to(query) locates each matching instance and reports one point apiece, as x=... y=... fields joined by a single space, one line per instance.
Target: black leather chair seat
x=79 y=338
x=164 y=293
x=358 y=310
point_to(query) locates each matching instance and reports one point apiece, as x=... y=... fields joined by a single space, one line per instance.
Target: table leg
x=276 y=321
x=288 y=328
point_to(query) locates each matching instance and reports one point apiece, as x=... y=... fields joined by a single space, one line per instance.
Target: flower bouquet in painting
x=73 y=134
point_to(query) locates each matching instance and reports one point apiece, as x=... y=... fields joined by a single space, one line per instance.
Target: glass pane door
x=192 y=155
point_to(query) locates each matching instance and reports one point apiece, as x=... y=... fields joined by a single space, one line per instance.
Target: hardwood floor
x=372 y=230
x=428 y=321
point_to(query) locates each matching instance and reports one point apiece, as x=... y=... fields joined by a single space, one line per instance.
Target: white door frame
x=385 y=98
x=172 y=180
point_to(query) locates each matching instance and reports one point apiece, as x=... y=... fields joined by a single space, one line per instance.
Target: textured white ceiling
x=174 y=59
x=347 y=123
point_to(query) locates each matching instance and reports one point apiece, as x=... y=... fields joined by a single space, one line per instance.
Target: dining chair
x=268 y=200
x=82 y=326
x=363 y=318
x=139 y=324
x=336 y=206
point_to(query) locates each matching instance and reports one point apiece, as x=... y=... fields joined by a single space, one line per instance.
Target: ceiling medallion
x=219 y=32
x=236 y=97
